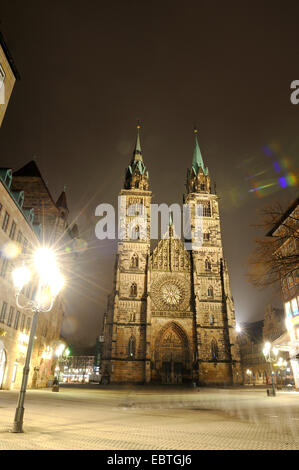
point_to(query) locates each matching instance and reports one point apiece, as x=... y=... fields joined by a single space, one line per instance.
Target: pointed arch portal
x=172 y=353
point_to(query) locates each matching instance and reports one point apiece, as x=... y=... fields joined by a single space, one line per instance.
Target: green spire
x=137 y=155
x=197 y=161
x=170 y=219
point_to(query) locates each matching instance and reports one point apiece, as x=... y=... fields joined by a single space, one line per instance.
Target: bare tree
x=276 y=256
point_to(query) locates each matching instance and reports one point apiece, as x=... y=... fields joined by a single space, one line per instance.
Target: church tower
x=124 y=356
x=217 y=355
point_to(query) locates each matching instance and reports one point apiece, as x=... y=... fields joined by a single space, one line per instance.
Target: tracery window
x=132 y=347
x=214 y=350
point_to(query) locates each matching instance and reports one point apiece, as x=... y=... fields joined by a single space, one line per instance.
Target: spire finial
x=137 y=151
x=197 y=161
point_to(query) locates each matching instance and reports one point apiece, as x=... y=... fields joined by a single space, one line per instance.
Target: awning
x=283 y=342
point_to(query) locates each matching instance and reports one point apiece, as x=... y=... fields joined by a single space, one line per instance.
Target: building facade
x=170 y=318
x=286 y=232
x=8 y=76
x=28 y=215
x=252 y=338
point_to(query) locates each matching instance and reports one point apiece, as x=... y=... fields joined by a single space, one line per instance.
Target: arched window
x=133 y=290
x=214 y=350
x=136 y=184
x=210 y=292
x=134 y=261
x=132 y=347
x=211 y=319
x=208 y=265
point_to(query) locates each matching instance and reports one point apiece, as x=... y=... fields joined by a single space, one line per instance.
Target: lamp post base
x=18 y=422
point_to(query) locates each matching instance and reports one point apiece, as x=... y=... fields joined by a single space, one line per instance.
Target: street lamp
x=50 y=282
x=62 y=353
x=267 y=353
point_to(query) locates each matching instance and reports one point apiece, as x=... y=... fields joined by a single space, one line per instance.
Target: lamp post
x=50 y=282
x=267 y=353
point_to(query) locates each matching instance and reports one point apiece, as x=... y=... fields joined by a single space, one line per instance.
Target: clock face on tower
x=171 y=293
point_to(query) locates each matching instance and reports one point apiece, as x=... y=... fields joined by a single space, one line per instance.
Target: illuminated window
x=294 y=306
x=288 y=309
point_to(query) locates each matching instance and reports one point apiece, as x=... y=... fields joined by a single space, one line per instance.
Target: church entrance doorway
x=172 y=372
x=173 y=355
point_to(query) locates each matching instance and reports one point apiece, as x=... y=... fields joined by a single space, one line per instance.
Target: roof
x=61 y=201
x=283 y=217
x=197 y=161
x=30 y=169
x=9 y=57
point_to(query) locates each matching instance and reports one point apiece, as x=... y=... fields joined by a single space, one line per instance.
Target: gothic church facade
x=170 y=318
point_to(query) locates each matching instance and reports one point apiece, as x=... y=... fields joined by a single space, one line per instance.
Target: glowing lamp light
x=67 y=352
x=45 y=263
x=267 y=348
x=21 y=276
x=275 y=351
x=59 y=350
x=56 y=284
x=238 y=329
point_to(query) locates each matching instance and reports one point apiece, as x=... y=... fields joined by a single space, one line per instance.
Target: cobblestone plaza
x=161 y=418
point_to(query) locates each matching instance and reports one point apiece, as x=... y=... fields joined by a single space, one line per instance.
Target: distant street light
x=62 y=353
x=267 y=353
x=50 y=282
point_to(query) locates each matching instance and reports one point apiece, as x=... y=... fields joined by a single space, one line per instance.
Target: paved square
x=152 y=418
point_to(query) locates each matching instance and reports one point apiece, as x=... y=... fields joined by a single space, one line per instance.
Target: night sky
x=89 y=70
